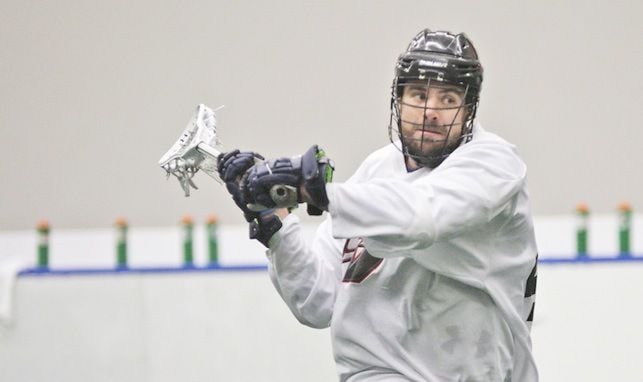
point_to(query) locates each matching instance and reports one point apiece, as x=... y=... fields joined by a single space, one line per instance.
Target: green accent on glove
x=329 y=168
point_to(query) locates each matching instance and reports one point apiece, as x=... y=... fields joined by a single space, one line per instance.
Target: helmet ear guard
x=442 y=58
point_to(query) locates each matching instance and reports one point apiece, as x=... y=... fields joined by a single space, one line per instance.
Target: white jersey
x=423 y=276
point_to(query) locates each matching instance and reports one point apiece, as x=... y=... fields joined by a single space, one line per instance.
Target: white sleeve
x=468 y=189
x=306 y=277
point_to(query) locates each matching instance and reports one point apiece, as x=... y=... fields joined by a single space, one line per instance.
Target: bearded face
x=432 y=115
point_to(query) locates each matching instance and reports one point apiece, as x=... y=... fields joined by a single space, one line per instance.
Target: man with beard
x=425 y=266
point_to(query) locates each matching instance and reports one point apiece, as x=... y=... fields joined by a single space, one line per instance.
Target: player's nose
x=431 y=110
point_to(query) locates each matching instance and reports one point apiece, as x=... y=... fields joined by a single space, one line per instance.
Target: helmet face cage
x=432 y=61
x=429 y=152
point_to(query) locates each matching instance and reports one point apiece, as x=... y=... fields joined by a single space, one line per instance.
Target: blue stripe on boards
x=138 y=270
x=36 y=271
x=592 y=259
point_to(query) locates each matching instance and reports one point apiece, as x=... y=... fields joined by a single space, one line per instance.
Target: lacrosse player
x=425 y=266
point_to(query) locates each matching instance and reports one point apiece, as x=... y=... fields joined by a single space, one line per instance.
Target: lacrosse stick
x=198 y=148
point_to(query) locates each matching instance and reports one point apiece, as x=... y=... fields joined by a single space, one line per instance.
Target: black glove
x=264 y=226
x=276 y=183
x=231 y=167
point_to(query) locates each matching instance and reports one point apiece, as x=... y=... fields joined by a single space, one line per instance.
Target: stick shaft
x=208 y=150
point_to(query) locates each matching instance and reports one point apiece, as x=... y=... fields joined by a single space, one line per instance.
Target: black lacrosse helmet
x=437 y=58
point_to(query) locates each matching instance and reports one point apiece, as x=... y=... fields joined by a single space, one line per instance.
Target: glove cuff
x=264 y=227
x=317 y=170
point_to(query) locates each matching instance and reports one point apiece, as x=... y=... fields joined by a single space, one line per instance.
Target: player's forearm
x=304 y=278
x=396 y=211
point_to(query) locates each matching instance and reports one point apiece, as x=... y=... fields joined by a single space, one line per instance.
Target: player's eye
x=450 y=100
x=418 y=95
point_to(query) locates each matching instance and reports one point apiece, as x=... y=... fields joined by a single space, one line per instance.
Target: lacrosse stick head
x=196 y=149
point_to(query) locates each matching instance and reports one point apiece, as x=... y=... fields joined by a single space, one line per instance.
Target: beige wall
x=93 y=93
